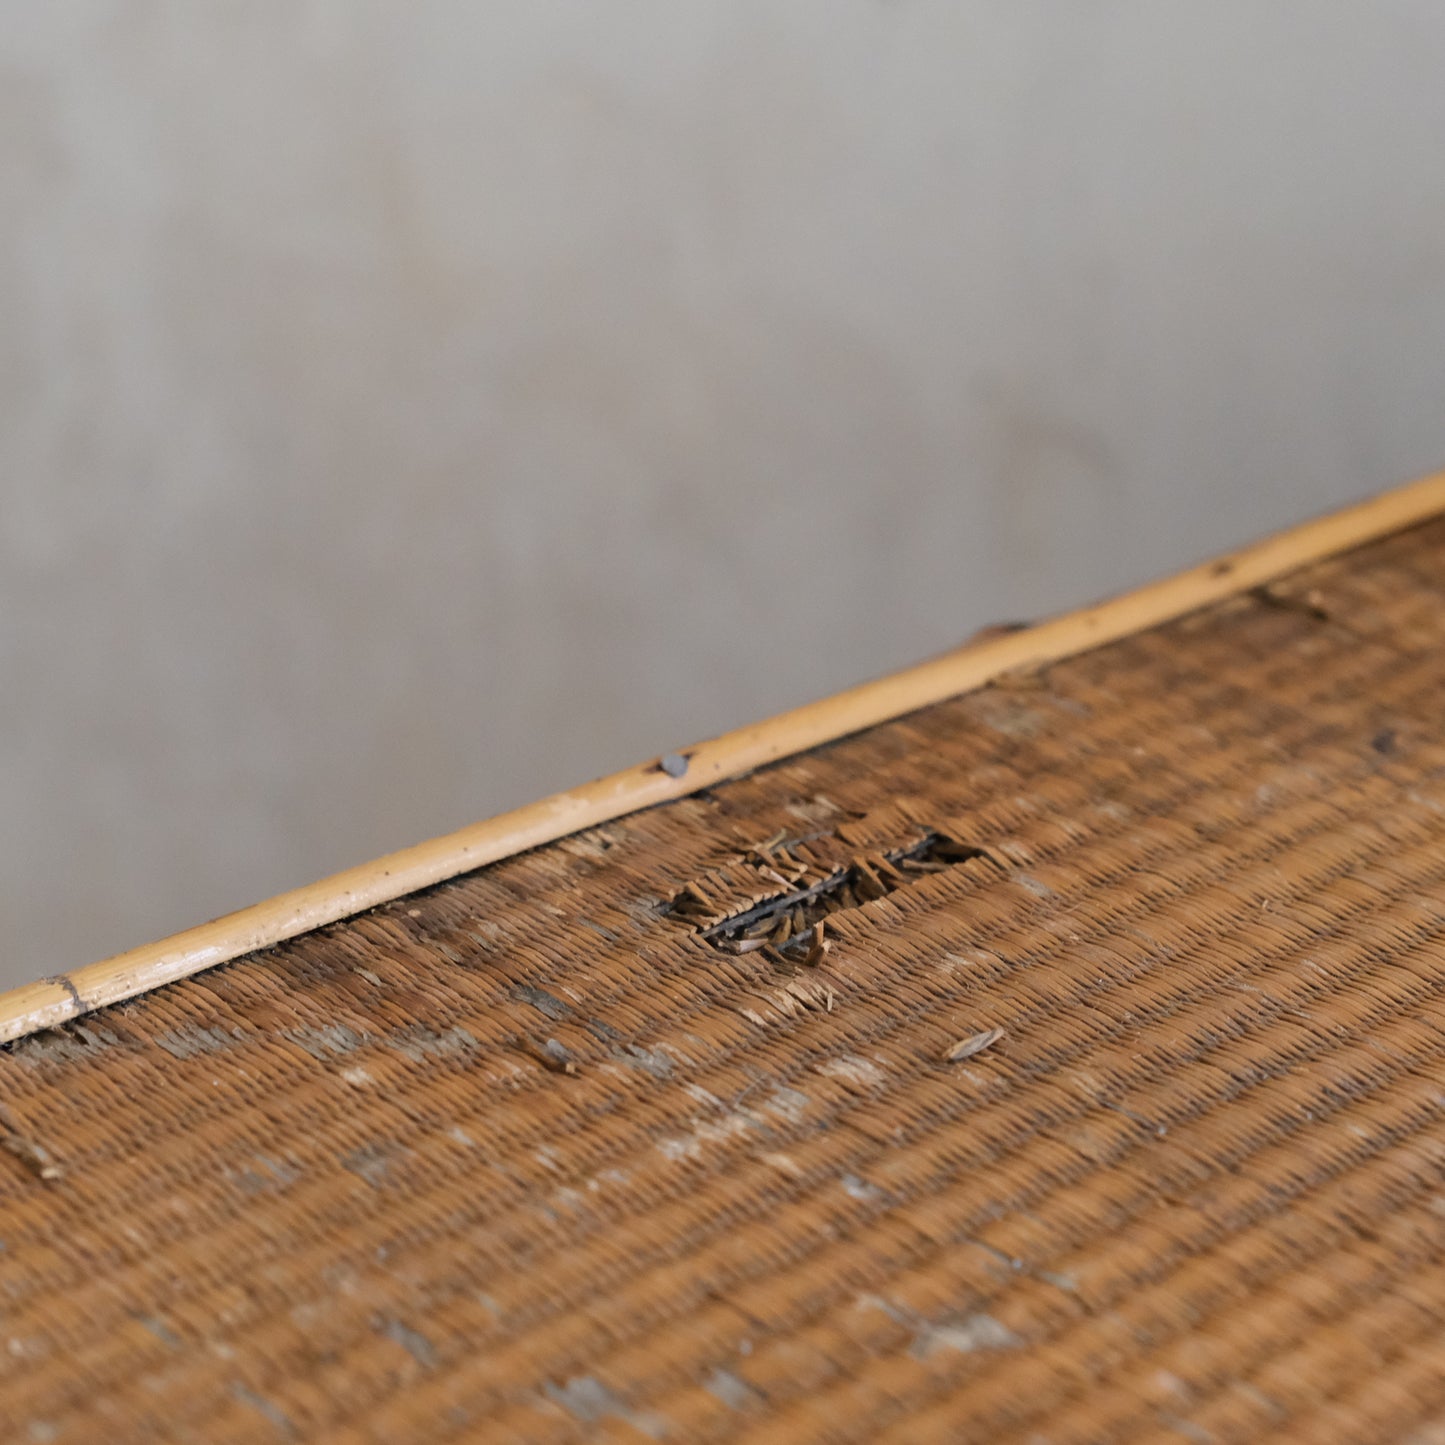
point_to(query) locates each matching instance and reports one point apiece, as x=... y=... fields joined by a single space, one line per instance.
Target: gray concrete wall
x=406 y=410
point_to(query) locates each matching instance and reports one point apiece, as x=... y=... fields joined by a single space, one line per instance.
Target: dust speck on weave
x=159 y=1328
x=652 y=1061
x=539 y=998
x=412 y=1341
x=862 y=1190
x=589 y=1401
x=853 y=1070
x=64 y=1044
x=965 y=1334
x=783 y=1106
x=372 y=1162
x=421 y=1043
x=280 y=1421
x=789 y=1105
x=732 y=1390
x=191 y=1041
x=708 y=1133
x=326 y=1041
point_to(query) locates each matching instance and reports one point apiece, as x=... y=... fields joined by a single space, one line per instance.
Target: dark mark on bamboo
x=995 y=630
x=62 y=980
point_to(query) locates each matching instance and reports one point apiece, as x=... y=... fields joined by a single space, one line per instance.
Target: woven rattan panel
x=1122 y=1118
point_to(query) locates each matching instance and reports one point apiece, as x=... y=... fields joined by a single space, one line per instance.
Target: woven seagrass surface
x=1107 y=1105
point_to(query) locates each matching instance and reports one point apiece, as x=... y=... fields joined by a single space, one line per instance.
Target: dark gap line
x=786 y=921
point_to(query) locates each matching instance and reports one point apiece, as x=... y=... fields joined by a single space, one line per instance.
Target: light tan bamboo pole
x=53 y=1000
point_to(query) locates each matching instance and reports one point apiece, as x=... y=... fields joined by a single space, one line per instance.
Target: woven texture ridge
x=1062 y=1063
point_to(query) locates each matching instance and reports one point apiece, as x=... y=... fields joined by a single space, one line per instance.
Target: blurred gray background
x=406 y=410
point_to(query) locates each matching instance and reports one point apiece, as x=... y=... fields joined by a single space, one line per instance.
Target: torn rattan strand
x=68 y=995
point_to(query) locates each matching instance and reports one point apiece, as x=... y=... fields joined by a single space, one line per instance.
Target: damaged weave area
x=792 y=922
x=1112 y=1110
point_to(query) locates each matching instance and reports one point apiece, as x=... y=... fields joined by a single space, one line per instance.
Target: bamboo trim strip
x=54 y=1000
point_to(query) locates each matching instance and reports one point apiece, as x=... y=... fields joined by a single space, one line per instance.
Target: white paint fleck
x=861 y=1189
x=1036 y=886
x=785 y=1164
x=790 y=1105
x=853 y=1069
x=423 y=1043
x=711 y=1132
x=977 y=1332
x=966 y=1335
x=731 y=1390
x=190 y=1040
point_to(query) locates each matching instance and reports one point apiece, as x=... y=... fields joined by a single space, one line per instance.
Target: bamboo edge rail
x=52 y=1001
